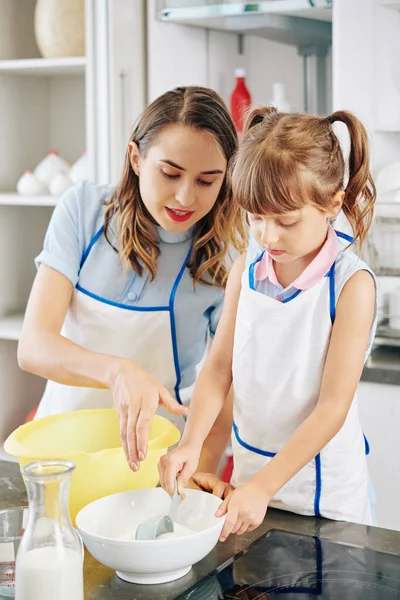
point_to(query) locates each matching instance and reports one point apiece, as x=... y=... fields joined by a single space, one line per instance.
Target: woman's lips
x=275 y=252
x=179 y=215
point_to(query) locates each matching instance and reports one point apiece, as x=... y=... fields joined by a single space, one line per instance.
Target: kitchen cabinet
x=69 y=104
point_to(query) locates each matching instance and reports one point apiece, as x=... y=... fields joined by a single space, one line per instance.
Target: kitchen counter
x=102 y=583
x=383 y=366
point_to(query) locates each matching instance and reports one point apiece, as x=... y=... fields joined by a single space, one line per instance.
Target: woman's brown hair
x=287 y=160
x=218 y=232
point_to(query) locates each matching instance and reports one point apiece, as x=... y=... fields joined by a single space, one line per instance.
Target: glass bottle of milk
x=49 y=563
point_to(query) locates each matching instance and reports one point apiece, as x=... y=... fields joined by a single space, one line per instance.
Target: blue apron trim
x=251 y=271
x=344 y=236
x=173 y=326
x=247 y=446
x=366 y=443
x=91 y=244
x=291 y=297
x=123 y=306
x=332 y=299
x=169 y=308
x=318 y=485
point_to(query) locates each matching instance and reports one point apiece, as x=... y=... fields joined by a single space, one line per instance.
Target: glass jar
x=49 y=562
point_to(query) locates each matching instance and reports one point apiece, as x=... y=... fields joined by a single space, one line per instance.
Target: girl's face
x=180 y=176
x=293 y=235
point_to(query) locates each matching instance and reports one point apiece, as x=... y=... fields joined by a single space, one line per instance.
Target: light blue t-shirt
x=77 y=217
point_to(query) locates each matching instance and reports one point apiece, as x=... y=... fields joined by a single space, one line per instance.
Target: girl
x=305 y=316
x=131 y=280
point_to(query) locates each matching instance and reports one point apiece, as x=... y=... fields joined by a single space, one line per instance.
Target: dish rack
x=382 y=253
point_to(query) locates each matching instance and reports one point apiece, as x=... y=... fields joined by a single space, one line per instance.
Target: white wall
x=366 y=71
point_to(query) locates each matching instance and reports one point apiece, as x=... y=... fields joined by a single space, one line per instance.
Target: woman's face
x=180 y=176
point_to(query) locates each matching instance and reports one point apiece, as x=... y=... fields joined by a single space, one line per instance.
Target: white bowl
x=108 y=527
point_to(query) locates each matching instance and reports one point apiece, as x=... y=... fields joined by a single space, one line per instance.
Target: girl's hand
x=245 y=508
x=136 y=396
x=178 y=464
x=208 y=482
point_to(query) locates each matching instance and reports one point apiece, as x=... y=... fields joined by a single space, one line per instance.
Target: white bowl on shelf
x=108 y=528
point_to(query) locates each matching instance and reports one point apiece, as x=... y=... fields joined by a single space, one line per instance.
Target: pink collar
x=317 y=268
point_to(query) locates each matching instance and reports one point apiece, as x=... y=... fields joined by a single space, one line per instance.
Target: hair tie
x=330 y=119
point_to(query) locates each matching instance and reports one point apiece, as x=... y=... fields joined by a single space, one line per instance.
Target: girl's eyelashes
x=287 y=225
x=279 y=223
x=174 y=177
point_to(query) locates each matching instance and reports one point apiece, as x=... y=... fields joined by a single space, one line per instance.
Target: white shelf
x=383 y=129
x=39 y=67
x=321 y=10
x=10 y=327
x=17 y=200
x=294 y=22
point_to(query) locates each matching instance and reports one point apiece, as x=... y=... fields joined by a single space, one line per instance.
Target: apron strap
x=173 y=325
x=344 y=236
x=251 y=271
x=332 y=299
x=91 y=244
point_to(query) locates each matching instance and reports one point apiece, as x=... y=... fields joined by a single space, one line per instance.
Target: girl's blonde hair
x=216 y=233
x=288 y=160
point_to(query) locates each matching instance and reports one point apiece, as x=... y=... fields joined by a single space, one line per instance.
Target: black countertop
x=102 y=583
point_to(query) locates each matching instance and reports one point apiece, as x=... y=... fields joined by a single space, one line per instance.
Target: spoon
x=152 y=528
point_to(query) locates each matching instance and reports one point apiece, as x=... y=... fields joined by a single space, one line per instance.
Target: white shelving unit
x=42 y=67
x=18 y=200
x=43 y=108
x=66 y=104
x=10 y=327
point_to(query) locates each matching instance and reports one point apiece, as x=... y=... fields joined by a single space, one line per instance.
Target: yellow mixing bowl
x=91 y=439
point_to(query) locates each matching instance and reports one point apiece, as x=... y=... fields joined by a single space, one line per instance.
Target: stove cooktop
x=292 y=566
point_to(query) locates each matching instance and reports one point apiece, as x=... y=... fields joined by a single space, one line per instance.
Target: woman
x=131 y=281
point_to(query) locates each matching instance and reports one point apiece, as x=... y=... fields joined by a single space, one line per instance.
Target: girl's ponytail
x=360 y=193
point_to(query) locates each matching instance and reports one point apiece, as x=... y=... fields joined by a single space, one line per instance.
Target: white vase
x=60 y=27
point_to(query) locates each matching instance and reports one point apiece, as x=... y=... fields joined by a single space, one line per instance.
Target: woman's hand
x=244 y=508
x=136 y=396
x=208 y=482
x=178 y=464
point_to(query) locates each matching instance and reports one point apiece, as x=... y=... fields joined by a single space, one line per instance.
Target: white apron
x=145 y=335
x=278 y=361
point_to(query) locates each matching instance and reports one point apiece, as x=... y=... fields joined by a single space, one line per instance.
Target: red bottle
x=240 y=99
